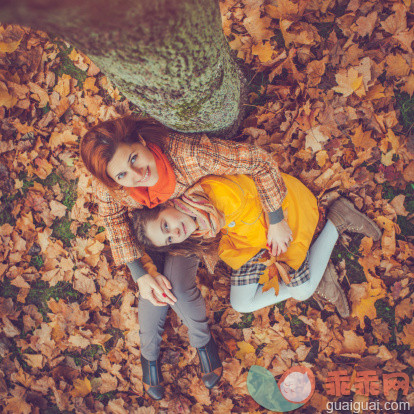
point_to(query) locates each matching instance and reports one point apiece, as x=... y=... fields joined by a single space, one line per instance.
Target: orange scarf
x=165 y=186
x=195 y=202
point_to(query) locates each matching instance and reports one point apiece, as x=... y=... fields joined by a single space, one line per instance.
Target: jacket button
x=231 y=224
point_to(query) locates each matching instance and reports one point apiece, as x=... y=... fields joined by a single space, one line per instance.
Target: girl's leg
x=250 y=297
x=319 y=255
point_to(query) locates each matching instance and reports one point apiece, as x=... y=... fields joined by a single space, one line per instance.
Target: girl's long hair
x=202 y=248
x=100 y=143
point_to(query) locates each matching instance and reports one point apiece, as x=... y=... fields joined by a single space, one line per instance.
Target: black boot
x=152 y=378
x=210 y=364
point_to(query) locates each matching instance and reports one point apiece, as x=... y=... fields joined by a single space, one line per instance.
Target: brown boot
x=345 y=217
x=330 y=290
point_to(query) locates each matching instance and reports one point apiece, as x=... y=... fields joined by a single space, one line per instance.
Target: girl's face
x=133 y=165
x=170 y=227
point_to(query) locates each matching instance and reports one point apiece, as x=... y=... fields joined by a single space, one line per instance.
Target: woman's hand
x=152 y=288
x=279 y=237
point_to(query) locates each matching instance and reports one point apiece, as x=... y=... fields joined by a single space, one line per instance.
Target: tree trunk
x=168 y=57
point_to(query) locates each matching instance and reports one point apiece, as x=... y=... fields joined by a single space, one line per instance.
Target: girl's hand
x=152 y=288
x=279 y=237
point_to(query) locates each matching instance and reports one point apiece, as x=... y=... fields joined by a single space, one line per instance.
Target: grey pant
x=190 y=307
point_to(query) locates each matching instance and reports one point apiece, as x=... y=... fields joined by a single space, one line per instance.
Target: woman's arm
x=125 y=251
x=116 y=221
x=200 y=156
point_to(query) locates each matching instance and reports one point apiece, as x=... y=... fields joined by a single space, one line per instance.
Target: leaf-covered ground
x=331 y=86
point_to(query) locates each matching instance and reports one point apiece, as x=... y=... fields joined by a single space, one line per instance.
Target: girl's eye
x=169 y=240
x=165 y=226
x=121 y=176
x=133 y=159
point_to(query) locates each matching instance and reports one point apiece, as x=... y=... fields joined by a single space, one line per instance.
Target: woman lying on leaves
x=222 y=217
x=138 y=163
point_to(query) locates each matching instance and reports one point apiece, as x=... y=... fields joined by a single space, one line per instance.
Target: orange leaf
x=363 y=139
x=263 y=51
x=10 y=38
x=397 y=66
x=363 y=299
x=272 y=283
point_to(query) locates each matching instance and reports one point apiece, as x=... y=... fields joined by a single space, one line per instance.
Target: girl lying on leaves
x=222 y=217
x=136 y=163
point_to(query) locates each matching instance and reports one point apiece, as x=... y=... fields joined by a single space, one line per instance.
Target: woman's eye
x=169 y=240
x=121 y=176
x=133 y=159
x=165 y=226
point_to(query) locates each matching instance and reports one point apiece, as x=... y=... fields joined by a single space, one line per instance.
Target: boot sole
x=364 y=216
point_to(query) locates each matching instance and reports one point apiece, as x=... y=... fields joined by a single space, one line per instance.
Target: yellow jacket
x=245 y=230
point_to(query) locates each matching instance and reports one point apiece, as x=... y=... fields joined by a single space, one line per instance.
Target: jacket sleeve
x=206 y=156
x=116 y=220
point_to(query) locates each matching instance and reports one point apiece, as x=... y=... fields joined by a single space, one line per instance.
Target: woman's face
x=171 y=227
x=133 y=165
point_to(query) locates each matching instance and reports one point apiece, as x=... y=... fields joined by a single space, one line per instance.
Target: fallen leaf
x=82 y=387
x=349 y=82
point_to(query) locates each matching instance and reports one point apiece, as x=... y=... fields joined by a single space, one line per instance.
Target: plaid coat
x=191 y=157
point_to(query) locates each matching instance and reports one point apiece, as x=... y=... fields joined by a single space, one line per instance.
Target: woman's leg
x=190 y=306
x=151 y=320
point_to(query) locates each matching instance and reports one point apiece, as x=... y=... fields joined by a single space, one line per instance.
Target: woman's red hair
x=100 y=143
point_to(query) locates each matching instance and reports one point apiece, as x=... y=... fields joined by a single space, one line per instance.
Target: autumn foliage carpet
x=331 y=86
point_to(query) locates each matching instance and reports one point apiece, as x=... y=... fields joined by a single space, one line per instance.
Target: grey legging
x=190 y=306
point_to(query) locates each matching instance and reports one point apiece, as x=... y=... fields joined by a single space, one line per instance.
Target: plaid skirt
x=251 y=271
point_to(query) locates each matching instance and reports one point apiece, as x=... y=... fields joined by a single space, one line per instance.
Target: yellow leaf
x=263 y=51
x=321 y=158
x=10 y=38
x=89 y=85
x=386 y=159
x=244 y=348
x=272 y=283
x=393 y=139
x=264 y=277
x=365 y=306
x=81 y=387
x=349 y=82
